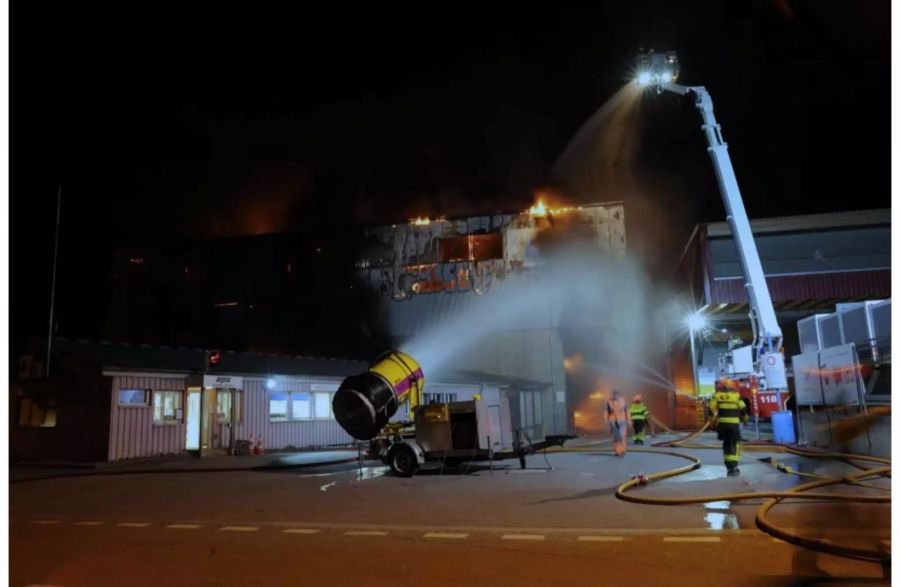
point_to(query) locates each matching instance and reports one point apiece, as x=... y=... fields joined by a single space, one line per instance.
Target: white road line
x=365 y=533
x=523 y=537
x=445 y=535
x=601 y=539
x=90 y=523
x=44 y=522
x=133 y=524
x=300 y=531
x=183 y=526
x=692 y=539
x=239 y=528
x=327 y=485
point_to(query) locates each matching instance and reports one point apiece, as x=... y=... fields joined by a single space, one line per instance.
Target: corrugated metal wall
x=291 y=433
x=132 y=432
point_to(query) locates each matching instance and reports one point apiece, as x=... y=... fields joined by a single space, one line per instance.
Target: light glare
x=644 y=78
x=696 y=322
x=667 y=76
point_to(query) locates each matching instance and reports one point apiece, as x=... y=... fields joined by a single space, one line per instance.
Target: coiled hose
x=802 y=491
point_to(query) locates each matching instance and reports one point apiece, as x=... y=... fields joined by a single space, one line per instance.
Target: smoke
x=603 y=162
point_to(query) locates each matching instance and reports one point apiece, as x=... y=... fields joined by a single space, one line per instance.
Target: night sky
x=167 y=122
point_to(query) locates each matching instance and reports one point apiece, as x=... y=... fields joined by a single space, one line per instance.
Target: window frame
x=310 y=400
x=178 y=418
x=147 y=398
x=270 y=396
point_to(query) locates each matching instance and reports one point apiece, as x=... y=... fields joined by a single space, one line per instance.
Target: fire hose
x=773 y=498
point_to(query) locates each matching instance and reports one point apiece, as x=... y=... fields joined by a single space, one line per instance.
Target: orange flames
x=420 y=221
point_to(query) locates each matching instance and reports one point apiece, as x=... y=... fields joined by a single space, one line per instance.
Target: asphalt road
x=506 y=527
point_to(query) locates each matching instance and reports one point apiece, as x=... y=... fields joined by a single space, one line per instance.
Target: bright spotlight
x=270 y=384
x=666 y=76
x=644 y=78
x=696 y=322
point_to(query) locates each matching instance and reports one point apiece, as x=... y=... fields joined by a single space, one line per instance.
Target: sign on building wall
x=223 y=381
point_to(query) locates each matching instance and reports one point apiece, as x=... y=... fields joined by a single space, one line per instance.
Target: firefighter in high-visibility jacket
x=640 y=414
x=729 y=411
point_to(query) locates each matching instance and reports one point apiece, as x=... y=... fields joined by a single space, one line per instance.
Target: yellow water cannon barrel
x=364 y=403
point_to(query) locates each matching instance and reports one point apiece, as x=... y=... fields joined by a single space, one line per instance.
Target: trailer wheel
x=402 y=460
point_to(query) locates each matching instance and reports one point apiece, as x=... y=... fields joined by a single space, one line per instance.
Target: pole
x=53 y=279
x=694 y=366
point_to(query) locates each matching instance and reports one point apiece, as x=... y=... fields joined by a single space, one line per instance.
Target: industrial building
x=814 y=264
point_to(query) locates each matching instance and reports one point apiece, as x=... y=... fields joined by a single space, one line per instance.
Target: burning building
x=463 y=293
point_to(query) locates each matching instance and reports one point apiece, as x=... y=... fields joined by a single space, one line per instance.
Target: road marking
x=327 y=485
x=300 y=531
x=692 y=539
x=183 y=526
x=365 y=533
x=44 y=522
x=133 y=525
x=90 y=523
x=601 y=539
x=239 y=528
x=445 y=535
x=522 y=537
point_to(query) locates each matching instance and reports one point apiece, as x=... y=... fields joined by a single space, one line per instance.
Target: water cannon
x=364 y=403
x=656 y=68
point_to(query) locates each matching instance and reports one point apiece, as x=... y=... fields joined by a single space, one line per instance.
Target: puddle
x=718 y=521
x=367 y=473
x=717 y=505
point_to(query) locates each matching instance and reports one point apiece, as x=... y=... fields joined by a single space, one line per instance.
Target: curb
x=256 y=469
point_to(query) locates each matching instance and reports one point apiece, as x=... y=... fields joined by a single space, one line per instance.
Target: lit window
x=301 y=407
x=323 y=405
x=133 y=397
x=167 y=407
x=278 y=406
x=37 y=414
x=224 y=407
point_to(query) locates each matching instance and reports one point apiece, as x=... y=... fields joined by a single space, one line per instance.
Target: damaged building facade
x=451 y=290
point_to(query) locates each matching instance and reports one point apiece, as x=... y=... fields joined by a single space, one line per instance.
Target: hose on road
x=773 y=498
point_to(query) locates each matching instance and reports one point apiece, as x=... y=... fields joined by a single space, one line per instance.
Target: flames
x=420 y=221
x=540 y=209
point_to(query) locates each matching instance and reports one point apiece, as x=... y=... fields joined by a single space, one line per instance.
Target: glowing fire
x=421 y=221
x=538 y=209
x=572 y=363
x=541 y=209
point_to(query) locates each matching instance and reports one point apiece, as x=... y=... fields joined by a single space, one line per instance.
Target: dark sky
x=163 y=121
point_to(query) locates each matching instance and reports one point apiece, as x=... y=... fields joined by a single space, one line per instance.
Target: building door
x=192 y=419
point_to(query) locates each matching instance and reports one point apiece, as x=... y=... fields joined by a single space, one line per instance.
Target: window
x=440 y=398
x=278 y=406
x=300 y=406
x=37 y=414
x=224 y=407
x=323 y=404
x=133 y=397
x=167 y=407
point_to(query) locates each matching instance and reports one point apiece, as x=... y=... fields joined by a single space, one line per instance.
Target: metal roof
x=807 y=222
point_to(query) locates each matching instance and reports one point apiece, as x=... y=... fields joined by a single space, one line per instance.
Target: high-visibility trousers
x=730 y=435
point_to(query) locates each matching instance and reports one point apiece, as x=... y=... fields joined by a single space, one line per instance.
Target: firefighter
x=617 y=417
x=730 y=411
x=640 y=416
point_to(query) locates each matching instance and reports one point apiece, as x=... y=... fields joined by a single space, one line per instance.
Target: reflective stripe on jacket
x=639 y=412
x=729 y=406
